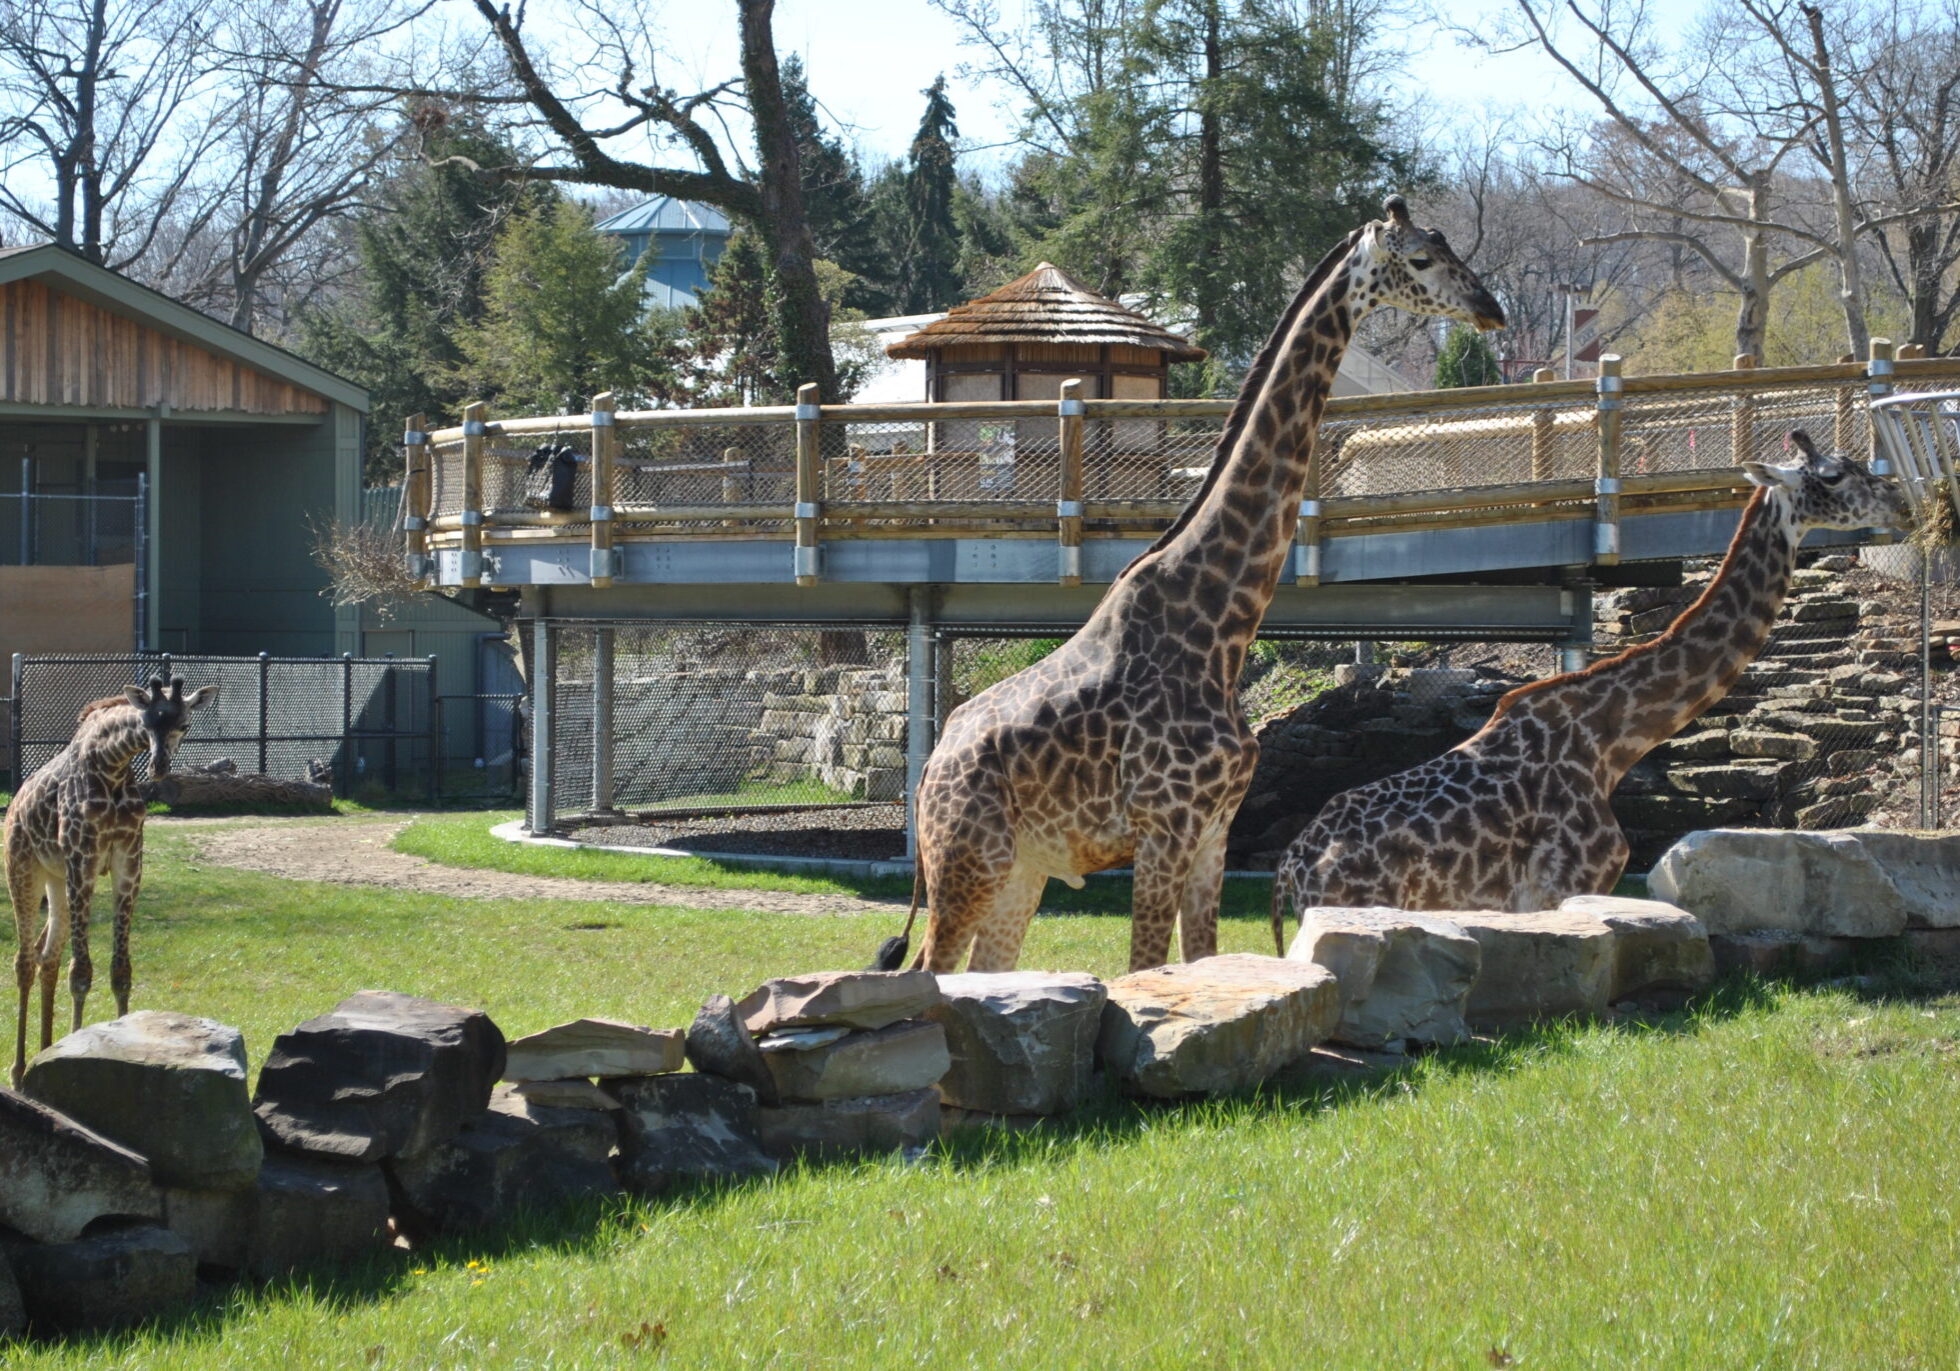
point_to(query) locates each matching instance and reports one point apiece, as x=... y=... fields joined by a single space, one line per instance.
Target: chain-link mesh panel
x=359 y=720
x=446 y=477
x=1665 y=431
x=706 y=464
x=1147 y=459
x=1423 y=450
x=729 y=718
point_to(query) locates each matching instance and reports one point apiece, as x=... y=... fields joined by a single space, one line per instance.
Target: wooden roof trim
x=1046 y=305
x=118 y=294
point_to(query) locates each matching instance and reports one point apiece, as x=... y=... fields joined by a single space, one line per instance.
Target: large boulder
x=515 y=1153
x=1403 y=977
x=310 y=1210
x=848 y=1127
x=882 y=1061
x=380 y=1075
x=13 y=1313
x=689 y=1126
x=855 y=999
x=720 y=1044
x=57 y=1178
x=1863 y=884
x=1214 y=1025
x=1658 y=950
x=573 y=1094
x=106 y=1281
x=1548 y=965
x=593 y=1047
x=216 y=1223
x=1021 y=1042
x=168 y=1086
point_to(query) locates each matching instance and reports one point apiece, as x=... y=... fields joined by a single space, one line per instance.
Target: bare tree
x=96 y=151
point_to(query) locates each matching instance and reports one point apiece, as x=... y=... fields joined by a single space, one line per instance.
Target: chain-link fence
x=369 y=721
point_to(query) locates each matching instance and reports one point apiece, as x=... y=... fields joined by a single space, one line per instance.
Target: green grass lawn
x=1768 y=1182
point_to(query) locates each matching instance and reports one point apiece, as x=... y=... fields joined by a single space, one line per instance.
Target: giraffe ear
x=1397 y=210
x=1763 y=474
x=136 y=696
x=203 y=695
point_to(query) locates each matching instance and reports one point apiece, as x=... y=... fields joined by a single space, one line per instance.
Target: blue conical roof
x=665 y=214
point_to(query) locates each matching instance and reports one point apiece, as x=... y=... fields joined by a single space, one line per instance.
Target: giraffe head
x=1394 y=262
x=1834 y=491
x=166 y=716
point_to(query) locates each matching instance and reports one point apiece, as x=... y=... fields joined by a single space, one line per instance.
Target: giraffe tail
x=893 y=951
x=1281 y=889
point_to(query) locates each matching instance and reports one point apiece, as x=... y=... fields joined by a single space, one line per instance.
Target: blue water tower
x=684 y=238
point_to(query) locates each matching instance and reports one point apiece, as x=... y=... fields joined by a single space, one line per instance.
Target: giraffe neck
x=108 y=745
x=1232 y=544
x=1622 y=708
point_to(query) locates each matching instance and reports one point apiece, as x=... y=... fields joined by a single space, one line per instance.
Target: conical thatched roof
x=1045 y=306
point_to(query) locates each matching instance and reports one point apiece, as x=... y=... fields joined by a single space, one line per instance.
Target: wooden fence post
x=415 y=500
x=474 y=434
x=1068 y=506
x=1307 y=528
x=1742 y=416
x=1606 y=485
x=809 y=421
x=605 y=451
x=1542 y=432
x=1878 y=385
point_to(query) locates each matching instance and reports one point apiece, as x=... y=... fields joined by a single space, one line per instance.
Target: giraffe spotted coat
x=1517 y=816
x=1127 y=744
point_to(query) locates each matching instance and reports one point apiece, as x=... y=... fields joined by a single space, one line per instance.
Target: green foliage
x=561 y=322
x=1466 y=360
x=736 y=344
x=928 y=269
x=1685 y=332
x=837 y=203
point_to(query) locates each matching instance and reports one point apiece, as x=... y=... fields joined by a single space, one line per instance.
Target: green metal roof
x=118 y=294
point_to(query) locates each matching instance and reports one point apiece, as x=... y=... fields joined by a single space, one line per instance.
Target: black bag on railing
x=551 y=475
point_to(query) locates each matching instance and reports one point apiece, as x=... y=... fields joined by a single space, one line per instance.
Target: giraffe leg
x=24 y=890
x=54 y=936
x=1197 y=910
x=956 y=910
x=1163 y=867
x=997 y=946
x=127 y=866
x=81 y=895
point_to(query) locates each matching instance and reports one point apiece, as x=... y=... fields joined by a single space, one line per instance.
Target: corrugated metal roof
x=665 y=214
x=1045 y=306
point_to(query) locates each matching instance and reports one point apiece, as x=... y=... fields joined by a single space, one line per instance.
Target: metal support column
x=1575 y=600
x=544 y=671
x=602 y=720
x=919 y=720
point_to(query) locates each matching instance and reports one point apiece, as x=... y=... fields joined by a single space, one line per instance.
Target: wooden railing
x=1487 y=456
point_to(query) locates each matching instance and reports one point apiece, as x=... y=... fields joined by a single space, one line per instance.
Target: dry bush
x=365 y=566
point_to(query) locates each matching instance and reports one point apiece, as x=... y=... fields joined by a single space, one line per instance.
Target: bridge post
x=1606 y=485
x=919 y=719
x=1068 y=505
x=1306 y=529
x=544 y=684
x=415 y=499
x=1742 y=416
x=1543 y=437
x=475 y=431
x=605 y=451
x=809 y=422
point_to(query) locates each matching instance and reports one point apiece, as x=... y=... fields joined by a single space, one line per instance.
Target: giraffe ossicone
x=77 y=817
x=1516 y=817
x=1127 y=743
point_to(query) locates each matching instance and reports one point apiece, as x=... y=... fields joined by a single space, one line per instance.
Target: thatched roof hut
x=1022 y=341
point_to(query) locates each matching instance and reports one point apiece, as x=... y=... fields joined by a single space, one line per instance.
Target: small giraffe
x=75 y=818
x=1516 y=816
x=1127 y=742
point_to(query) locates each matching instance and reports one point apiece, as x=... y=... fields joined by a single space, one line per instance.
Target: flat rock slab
x=167 y=1086
x=57 y=1178
x=855 y=999
x=1214 y=1025
x=720 y=1044
x=1775 y=954
x=1547 y=965
x=689 y=1126
x=513 y=1154
x=108 y=1281
x=1021 y=1042
x=892 y=1060
x=380 y=1075
x=1404 y=977
x=1658 y=949
x=850 y=1127
x=1864 y=884
x=574 y=1094
x=594 y=1047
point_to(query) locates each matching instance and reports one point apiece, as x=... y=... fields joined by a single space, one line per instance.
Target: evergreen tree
x=1466 y=360
x=561 y=323
x=929 y=270
x=737 y=357
x=836 y=200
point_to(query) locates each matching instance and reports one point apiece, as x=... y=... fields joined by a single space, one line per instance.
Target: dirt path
x=356 y=851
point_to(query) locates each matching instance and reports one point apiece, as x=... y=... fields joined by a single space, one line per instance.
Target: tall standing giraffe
x=1127 y=742
x=76 y=817
x=1516 y=816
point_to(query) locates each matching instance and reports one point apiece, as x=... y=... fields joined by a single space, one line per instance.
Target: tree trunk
x=802 y=317
x=1851 y=282
x=1752 y=315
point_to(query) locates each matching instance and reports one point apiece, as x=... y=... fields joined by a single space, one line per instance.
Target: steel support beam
x=544 y=677
x=602 y=720
x=919 y=674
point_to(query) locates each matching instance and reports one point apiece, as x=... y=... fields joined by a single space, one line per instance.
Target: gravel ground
x=871 y=834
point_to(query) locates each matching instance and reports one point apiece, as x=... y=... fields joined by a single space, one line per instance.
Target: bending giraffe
x=76 y=817
x=1516 y=816
x=1127 y=743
